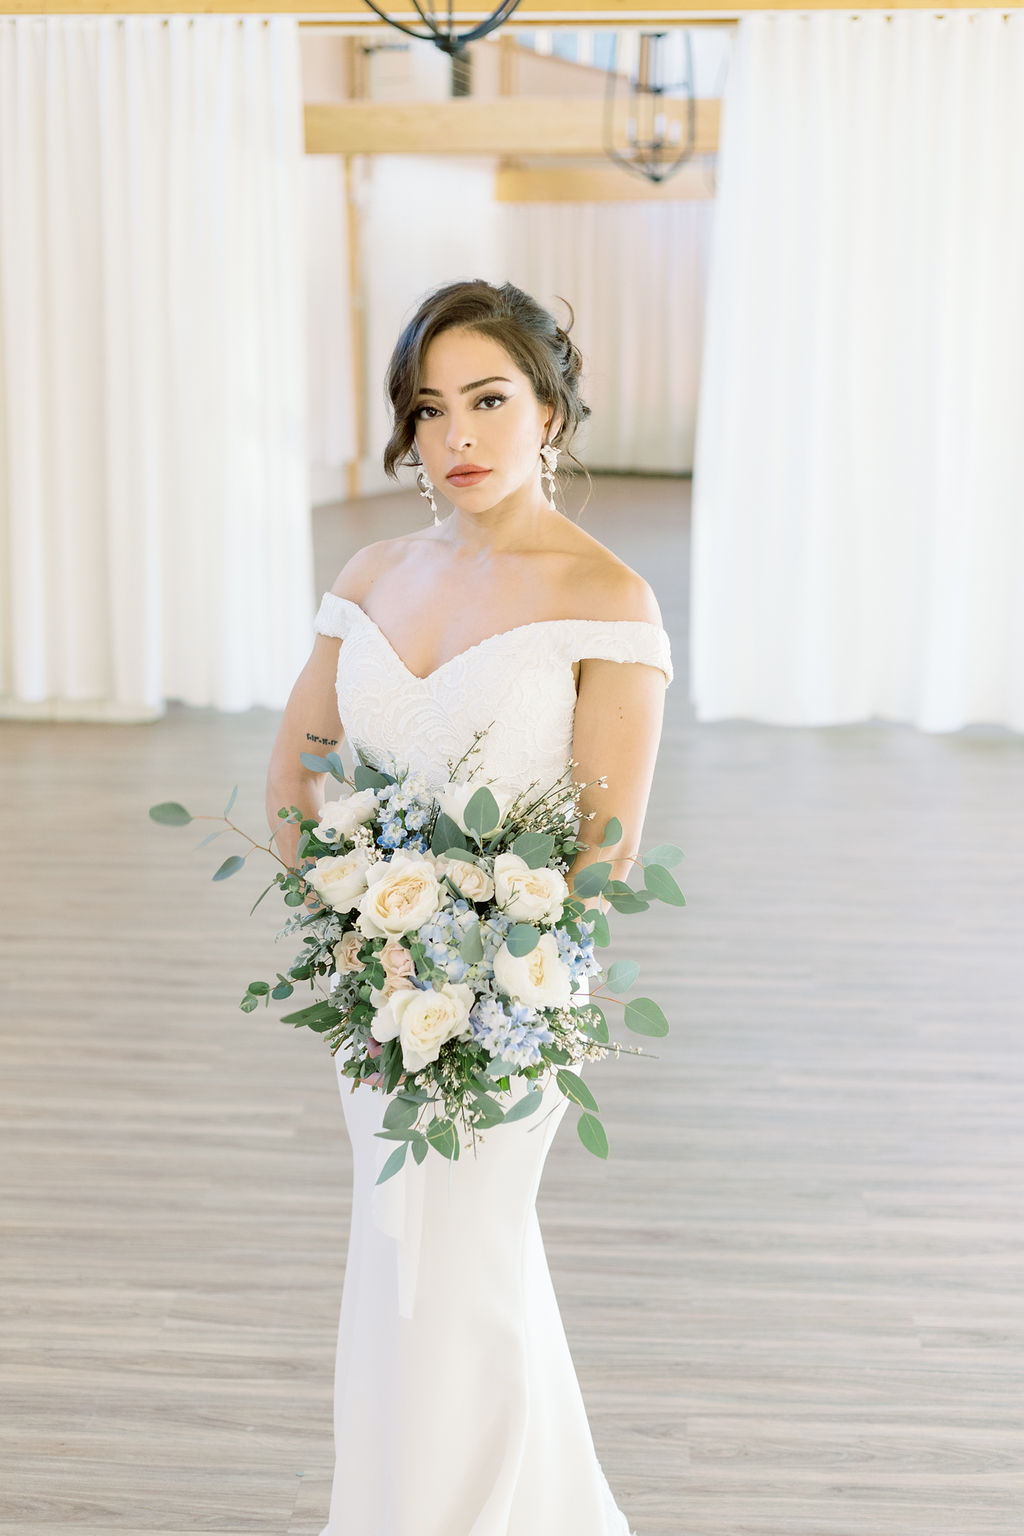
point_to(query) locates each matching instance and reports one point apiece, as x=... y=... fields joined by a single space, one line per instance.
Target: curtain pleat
x=857 y=537
x=154 y=498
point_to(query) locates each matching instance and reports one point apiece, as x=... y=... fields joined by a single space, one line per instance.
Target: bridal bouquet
x=443 y=927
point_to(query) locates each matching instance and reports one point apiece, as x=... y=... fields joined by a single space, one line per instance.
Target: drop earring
x=549 y=454
x=426 y=486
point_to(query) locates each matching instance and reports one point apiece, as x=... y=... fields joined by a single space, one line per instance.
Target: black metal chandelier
x=651 y=152
x=444 y=36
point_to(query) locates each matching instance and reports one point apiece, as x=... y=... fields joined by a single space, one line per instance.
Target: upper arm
x=620 y=708
x=310 y=721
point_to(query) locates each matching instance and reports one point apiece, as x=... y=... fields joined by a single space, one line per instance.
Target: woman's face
x=497 y=423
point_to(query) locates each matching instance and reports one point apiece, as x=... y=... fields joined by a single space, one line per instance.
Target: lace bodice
x=519 y=683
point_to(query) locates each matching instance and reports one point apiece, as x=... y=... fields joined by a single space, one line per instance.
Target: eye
x=416 y=415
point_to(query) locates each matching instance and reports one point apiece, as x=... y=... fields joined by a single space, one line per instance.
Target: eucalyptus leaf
x=592 y=1134
x=665 y=853
x=283 y=989
x=231 y=866
x=627 y=901
x=491 y=1112
x=612 y=832
x=522 y=938
x=622 y=975
x=447 y=836
x=661 y=884
x=314 y=762
x=210 y=837
x=312 y=1015
x=644 y=1017
x=443 y=1135
x=574 y=1088
x=393 y=1163
x=259 y=988
x=419 y=1150
x=170 y=814
x=369 y=778
x=248 y=1003
x=481 y=814
x=400 y=1114
x=591 y=879
x=602 y=933
x=594 y=1024
x=231 y=801
x=472 y=947
x=530 y=1101
x=534 y=848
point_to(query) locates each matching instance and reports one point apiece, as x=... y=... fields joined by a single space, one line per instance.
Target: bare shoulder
x=607 y=588
x=363 y=569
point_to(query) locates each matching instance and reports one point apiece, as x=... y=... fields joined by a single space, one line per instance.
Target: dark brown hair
x=531 y=336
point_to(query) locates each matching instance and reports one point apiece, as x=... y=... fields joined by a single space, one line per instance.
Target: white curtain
x=858 y=539
x=635 y=274
x=330 y=367
x=155 y=534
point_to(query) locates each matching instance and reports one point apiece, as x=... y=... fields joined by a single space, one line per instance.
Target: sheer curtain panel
x=155 y=536
x=858 y=540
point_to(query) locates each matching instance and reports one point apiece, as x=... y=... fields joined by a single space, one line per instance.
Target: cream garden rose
x=540 y=978
x=339 y=879
x=528 y=895
x=473 y=881
x=399 y=970
x=346 y=954
x=401 y=894
x=339 y=818
x=423 y=1019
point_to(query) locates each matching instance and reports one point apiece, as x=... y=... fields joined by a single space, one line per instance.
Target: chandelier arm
x=398 y=25
x=501 y=15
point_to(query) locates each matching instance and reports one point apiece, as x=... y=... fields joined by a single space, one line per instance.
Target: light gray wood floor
x=793 y=1294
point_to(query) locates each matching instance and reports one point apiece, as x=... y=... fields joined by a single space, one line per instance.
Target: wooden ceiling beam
x=501 y=125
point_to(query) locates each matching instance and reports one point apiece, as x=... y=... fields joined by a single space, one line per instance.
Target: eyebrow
x=495 y=378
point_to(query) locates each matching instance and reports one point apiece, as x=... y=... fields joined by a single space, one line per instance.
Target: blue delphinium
x=511 y=1030
x=443 y=935
x=404 y=810
x=580 y=958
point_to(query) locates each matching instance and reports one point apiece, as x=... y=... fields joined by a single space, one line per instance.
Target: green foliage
x=574 y=1088
x=170 y=814
x=231 y=866
x=522 y=938
x=660 y=883
x=481 y=815
x=602 y=932
x=665 y=853
x=622 y=975
x=644 y=1017
x=448 y=836
x=472 y=947
x=612 y=832
x=534 y=848
x=393 y=1163
x=592 y=879
x=530 y=1101
x=231 y=801
x=594 y=1023
x=365 y=777
x=592 y=1134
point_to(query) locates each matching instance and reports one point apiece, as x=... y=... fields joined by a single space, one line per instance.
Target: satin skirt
x=457 y=1411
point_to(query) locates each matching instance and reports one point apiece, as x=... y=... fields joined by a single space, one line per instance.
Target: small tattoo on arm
x=324 y=741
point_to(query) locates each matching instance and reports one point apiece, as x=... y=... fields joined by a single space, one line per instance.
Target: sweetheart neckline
x=501 y=634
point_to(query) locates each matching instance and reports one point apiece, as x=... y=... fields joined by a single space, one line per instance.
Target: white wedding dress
x=457 y=1411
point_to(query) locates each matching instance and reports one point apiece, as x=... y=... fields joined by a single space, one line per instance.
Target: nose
x=459 y=435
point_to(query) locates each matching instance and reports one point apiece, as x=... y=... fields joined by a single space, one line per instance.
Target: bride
x=457 y=1411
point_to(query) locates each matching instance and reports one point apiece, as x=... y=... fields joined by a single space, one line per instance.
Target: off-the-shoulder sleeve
x=623 y=640
x=333 y=616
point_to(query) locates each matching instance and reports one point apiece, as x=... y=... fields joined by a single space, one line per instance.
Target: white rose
x=339 y=879
x=529 y=895
x=399 y=970
x=346 y=953
x=423 y=1019
x=339 y=818
x=401 y=894
x=474 y=883
x=454 y=798
x=540 y=978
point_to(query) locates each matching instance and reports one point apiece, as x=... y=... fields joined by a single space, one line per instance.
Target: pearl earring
x=426 y=486
x=549 y=453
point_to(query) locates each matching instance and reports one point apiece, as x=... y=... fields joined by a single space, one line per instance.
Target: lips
x=467 y=474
